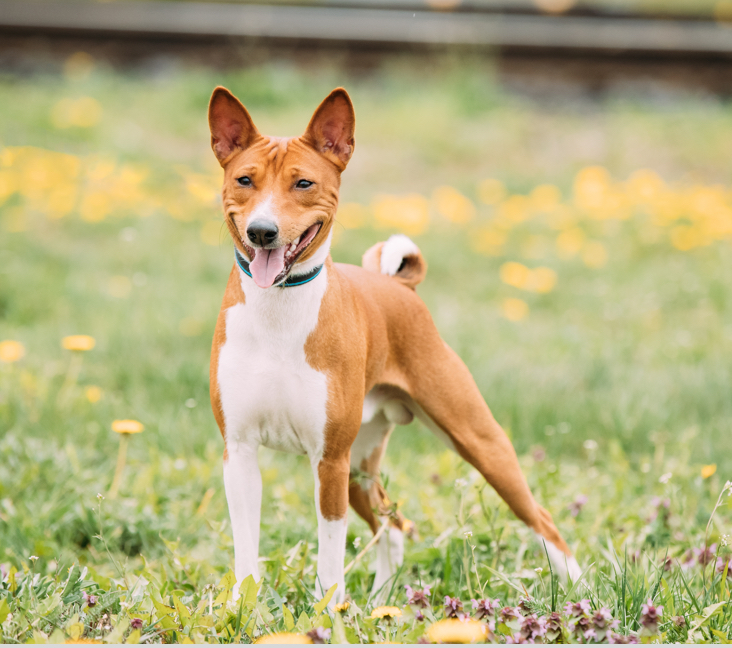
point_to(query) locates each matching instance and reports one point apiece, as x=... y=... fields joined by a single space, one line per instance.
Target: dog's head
x=281 y=195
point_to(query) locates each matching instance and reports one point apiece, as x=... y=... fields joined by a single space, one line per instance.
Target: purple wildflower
x=453 y=608
x=602 y=618
x=580 y=626
x=136 y=624
x=516 y=639
x=650 y=616
x=538 y=454
x=616 y=638
x=319 y=635
x=533 y=628
x=725 y=562
x=576 y=506
x=590 y=635
x=89 y=599
x=577 y=609
x=706 y=555
x=688 y=559
x=418 y=597
x=668 y=564
x=508 y=614
x=485 y=607
x=553 y=626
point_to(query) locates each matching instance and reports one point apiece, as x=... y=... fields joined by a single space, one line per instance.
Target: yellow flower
x=284 y=638
x=514 y=309
x=708 y=471
x=78 y=342
x=514 y=274
x=342 y=607
x=452 y=205
x=93 y=393
x=11 y=351
x=352 y=215
x=542 y=280
x=127 y=426
x=569 y=242
x=409 y=213
x=386 y=612
x=456 y=631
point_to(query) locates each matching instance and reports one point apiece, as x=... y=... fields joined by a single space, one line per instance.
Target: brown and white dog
x=324 y=359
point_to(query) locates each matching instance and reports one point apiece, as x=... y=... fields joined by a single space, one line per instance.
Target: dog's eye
x=244 y=181
x=304 y=184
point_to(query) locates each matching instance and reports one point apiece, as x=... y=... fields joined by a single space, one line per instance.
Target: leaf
x=286 y=615
x=4 y=610
x=115 y=637
x=303 y=624
x=504 y=578
x=228 y=581
x=72 y=582
x=721 y=636
x=339 y=631
x=183 y=614
x=707 y=613
x=165 y=615
x=248 y=591
x=134 y=637
x=321 y=605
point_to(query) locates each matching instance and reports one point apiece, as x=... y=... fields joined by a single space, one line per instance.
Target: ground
x=579 y=261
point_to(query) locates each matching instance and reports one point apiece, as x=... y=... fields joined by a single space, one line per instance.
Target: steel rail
x=189 y=20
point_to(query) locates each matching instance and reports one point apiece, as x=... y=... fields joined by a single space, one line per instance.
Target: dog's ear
x=231 y=126
x=331 y=128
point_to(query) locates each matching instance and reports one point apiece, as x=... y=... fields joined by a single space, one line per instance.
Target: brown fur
x=372 y=329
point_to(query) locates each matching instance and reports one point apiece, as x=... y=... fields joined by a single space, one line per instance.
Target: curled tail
x=398 y=257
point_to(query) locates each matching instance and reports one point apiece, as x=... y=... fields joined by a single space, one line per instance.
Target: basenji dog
x=325 y=359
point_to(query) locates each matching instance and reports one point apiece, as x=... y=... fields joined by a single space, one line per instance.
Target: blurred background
x=564 y=166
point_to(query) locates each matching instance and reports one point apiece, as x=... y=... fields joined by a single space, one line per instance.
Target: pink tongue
x=267 y=265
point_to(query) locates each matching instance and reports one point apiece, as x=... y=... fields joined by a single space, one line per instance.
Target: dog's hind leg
x=448 y=402
x=366 y=493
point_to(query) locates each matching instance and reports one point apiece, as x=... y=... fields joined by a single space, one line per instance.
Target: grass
x=611 y=374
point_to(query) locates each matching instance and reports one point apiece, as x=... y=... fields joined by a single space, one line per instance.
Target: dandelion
x=136 y=623
x=11 y=351
x=485 y=607
x=455 y=631
x=650 y=616
x=514 y=309
x=418 y=597
x=708 y=471
x=284 y=638
x=453 y=607
x=342 y=607
x=319 y=635
x=386 y=612
x=78 y=342
x=93 y=393
x=124 y=428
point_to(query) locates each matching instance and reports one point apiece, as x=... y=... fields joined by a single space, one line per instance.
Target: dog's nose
x=262 y=232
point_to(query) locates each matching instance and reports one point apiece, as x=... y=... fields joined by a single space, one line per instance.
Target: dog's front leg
x=243 y=483
x=331 y=503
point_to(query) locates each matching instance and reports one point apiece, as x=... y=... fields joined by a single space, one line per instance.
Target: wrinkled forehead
x=275 y=157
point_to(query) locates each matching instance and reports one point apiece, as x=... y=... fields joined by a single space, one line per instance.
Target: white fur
x=264 y=210
x=331 y=550
x=381 y=412
x=243 y=484
x=389 y=556
x=270 y=396
x=561 y=564
x=395 y=249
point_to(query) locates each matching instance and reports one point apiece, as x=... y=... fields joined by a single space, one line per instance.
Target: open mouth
x=270 y=266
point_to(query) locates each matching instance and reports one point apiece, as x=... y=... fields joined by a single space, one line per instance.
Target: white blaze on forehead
x=264 y=210
x=392 y=254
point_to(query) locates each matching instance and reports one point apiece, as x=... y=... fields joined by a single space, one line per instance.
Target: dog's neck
x=283 y=311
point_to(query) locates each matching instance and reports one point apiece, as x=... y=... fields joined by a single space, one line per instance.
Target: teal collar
x=289 y=282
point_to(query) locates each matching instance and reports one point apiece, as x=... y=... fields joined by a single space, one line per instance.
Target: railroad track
x=394 y=23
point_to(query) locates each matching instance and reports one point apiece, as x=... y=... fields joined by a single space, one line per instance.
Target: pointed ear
x=331 y=128
x=231 y=126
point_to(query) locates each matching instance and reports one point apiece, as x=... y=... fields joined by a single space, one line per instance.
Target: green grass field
x=580 y=263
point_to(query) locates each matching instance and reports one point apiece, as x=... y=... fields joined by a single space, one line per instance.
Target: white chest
x=270 y=395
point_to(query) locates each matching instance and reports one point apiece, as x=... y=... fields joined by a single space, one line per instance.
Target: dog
x=325 y=359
